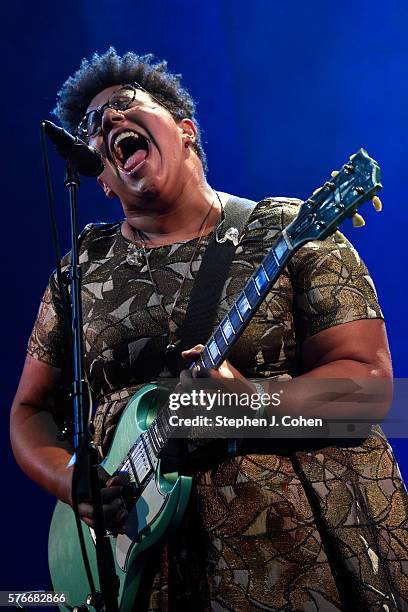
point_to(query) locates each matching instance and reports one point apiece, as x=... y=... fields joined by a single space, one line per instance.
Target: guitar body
x=159 y=509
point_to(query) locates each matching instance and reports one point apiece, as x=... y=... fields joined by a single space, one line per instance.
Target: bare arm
x=34 y=434
x=349 y=354
x=34 y=437
x=356 y=352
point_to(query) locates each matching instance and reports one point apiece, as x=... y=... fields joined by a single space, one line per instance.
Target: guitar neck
x=245 y=306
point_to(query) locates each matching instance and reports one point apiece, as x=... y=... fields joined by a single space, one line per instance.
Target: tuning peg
x=339 y=237
x=377 y=203
x=358 y=220
x=334 y=173
x=316 y=191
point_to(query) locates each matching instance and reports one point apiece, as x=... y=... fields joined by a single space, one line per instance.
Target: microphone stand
x=85 y=477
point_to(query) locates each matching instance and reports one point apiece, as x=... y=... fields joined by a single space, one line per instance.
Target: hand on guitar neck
x=226 y=372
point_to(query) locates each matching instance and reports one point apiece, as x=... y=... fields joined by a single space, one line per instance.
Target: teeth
x=121 y=137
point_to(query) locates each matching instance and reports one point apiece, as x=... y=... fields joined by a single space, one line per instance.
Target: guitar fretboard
x=233 y=324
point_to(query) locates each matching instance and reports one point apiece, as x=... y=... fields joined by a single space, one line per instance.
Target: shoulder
x=97 y=231
x=269 y=217
x=274 y=212
x=95 y=241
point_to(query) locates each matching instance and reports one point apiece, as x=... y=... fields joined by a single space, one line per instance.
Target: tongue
x=135 y=159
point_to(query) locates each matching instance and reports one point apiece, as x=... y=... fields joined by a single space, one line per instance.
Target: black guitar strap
x=209 y=282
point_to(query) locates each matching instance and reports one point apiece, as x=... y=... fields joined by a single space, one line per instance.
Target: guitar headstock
x=340 y=197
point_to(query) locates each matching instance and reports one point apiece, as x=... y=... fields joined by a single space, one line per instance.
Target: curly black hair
x=103 y=71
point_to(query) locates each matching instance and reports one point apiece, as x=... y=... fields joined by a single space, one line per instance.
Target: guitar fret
x=252 y=281
x=201 y=363
x=270 y=265
x=220 y=339
x=287 y=240
x=239 y=314
x=235 y=318
x=251 y=293
x=206 y=358
x=275 y=256
x=266 y=274
x=243 y=305
x=261 y=279
x=227 y=328
x=223 y=335
x=213 y=349
x=280 y=249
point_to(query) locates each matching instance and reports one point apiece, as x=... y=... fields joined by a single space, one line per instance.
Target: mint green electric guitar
x=143 y=432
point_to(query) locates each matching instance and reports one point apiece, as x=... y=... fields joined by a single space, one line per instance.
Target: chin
x=143 y=188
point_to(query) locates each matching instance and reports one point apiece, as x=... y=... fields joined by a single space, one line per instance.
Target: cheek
x=109 y=180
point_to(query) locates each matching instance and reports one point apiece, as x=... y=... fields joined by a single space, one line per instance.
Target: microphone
x=87 y=160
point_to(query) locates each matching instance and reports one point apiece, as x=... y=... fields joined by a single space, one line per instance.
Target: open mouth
x=130 y=149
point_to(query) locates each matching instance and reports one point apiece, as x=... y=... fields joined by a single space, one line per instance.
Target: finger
x=118 y=522
x=121 y=517
x=87 y=521
x=85 y=511
x=114 y=481
x=111 y=493
x=193 y=352
x=110 y=511
x=187 y=381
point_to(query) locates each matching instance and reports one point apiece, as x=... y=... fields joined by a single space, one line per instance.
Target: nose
x=110 y=118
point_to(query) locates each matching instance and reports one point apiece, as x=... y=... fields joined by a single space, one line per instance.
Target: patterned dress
x=319 y=529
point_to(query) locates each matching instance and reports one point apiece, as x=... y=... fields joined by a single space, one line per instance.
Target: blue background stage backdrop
x=285 y=90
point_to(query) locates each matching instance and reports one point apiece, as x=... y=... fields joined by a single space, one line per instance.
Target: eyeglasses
x=123 y=98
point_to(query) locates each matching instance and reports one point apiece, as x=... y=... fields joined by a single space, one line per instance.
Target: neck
x=178 y=219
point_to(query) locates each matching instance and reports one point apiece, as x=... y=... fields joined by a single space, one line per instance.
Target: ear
x=188 y=131
x=108 y=191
